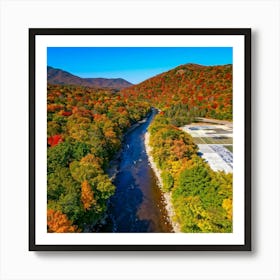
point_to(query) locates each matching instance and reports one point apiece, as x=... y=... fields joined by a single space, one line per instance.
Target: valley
x=104 y=177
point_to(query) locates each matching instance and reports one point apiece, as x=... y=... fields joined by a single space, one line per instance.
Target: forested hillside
x=203 y=90
x=61 y=77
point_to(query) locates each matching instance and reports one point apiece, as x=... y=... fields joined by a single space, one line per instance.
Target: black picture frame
x=245 y=33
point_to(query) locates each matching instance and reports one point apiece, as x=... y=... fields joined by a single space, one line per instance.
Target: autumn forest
x=86 y=129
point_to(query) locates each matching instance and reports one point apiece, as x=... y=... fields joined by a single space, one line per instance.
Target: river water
x=138 y=204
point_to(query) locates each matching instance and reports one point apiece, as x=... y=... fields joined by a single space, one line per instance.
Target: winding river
x=138 y=204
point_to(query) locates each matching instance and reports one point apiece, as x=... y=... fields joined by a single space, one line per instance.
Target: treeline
x=205 y=90
x=85 y=130
x=201 y=198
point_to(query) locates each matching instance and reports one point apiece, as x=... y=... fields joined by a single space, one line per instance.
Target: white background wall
x=17 y=262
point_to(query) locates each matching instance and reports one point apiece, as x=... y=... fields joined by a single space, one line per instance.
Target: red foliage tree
x=54 y=140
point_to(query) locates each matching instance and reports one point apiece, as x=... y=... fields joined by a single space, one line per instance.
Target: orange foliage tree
x=59 y=223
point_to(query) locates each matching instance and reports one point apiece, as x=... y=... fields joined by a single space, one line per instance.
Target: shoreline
x=167 y=196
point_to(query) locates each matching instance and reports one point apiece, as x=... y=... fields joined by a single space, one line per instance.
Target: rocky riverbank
x=167 y=196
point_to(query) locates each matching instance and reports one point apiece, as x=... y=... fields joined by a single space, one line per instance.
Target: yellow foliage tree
x=227 y=205
x=87 y=195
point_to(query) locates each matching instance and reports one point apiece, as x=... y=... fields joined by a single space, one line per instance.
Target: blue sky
x=133 y=64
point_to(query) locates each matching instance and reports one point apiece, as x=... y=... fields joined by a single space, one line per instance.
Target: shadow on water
x=138 y=204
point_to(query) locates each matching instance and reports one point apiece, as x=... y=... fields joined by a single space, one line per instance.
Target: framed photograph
x=140 y=139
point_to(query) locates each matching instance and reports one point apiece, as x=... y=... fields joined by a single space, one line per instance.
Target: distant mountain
x=61 y=77
x=206 y=90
